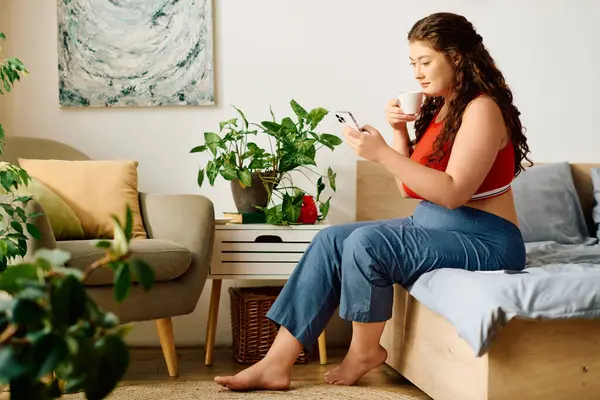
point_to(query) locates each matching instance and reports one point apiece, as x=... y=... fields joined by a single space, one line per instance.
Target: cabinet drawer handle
x=268 y=239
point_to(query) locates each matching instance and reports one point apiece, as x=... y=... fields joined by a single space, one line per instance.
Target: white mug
x=411 y=102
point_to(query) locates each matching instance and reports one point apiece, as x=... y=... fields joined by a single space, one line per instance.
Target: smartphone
x=346 y=117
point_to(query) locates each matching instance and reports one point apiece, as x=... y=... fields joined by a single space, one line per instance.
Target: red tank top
x=497 y=181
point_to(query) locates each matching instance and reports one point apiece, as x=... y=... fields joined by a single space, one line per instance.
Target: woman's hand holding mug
x=396 y=117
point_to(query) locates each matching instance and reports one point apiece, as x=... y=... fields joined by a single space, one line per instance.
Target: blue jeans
x=354 y=266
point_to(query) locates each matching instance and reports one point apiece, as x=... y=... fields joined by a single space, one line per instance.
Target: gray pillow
x=595 y=173
x=548 y=206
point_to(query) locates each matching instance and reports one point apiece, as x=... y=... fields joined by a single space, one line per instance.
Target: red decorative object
x=308 y=212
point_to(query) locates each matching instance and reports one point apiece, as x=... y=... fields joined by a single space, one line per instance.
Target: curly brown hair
x=475 y=74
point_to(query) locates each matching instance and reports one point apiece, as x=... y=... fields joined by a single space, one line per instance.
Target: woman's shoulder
x=483 y=108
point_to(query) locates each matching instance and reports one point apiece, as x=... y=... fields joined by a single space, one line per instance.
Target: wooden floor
x=148 y=365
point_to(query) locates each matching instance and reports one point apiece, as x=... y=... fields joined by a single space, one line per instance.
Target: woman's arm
x=401 y=140
x=474 y=151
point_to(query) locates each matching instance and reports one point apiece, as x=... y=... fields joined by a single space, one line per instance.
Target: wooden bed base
x=529 y=359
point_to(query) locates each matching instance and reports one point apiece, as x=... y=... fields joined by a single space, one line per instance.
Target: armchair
x=180 y=231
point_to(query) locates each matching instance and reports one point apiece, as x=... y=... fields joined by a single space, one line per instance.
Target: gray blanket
x=560 y=281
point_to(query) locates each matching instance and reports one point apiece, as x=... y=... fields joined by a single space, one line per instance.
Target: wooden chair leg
x=167 y=342
x=211 y=327
x=322 y=349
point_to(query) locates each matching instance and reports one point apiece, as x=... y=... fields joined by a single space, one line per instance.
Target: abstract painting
x=135 y=53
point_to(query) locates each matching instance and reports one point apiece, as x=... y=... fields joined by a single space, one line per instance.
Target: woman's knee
x=367 y=249
x=333 y=236
x=359 y=246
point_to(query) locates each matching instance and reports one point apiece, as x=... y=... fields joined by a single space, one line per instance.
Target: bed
x=528 y=358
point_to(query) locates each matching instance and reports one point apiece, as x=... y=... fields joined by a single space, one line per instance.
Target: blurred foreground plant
x=54 y=338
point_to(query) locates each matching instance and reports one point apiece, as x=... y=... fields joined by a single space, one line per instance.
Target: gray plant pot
x=246 y=198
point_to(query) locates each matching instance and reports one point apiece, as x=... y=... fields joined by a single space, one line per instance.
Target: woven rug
x=199 y=390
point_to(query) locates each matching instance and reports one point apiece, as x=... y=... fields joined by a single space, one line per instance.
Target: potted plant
x=13 y=241
x=256 y=174
x=237 y=159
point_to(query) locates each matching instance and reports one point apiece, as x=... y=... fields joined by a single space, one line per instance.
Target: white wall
x=337 y=54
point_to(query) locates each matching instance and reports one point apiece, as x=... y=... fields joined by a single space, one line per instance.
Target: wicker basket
x=253 y=333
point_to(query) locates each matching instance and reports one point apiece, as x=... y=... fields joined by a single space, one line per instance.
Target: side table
x=255 y=251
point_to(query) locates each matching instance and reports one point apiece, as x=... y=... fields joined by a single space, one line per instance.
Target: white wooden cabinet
x=259 y=251
x=255 y=251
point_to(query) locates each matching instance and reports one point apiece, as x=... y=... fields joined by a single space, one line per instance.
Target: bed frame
x=529 y=359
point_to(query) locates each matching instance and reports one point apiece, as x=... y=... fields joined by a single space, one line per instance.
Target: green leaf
x=120 y=240
x=320 y=187
x=128 y=222
x=143 y=272
x=316 y=115
x=122 y=282
x=34 y=231
x=242 y=115
x=271 y=126
x=23 y=175
x=10 y=365
x=331 y=177
x=48 y=351
x=16 y=225
x=22 y=199
x=245 y=177
x=68 y=299
x=298 y=110
x=304 y=145
x=200 y=178
x=289 y=125
x=113 y=361
x=330 y=140
x=212 y=141
x=274 y=215
x=292 y=206
x=11 y=249
x=212 y=170
x=223 y=124
x=228 y=172
x=2 y=36
x=22 y=213
x=199 y=149
x=103 y=244
x=56 y=257
x=28 y=313
x=9 y=280
x=7 y=208
x=324 y=208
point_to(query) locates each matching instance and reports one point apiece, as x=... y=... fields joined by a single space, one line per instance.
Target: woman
x=469 y=146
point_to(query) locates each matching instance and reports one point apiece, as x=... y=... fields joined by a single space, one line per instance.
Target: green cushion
x=65 y=224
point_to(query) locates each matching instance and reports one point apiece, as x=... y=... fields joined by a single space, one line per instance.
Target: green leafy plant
x=54 y=338
x=293 y=146
x=13 y=239
x=233 y=154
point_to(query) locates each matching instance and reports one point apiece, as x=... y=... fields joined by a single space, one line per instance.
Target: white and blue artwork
x=135 y=53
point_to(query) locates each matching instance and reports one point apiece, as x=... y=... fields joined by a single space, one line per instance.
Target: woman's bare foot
x=262 y=375
x=355 y=366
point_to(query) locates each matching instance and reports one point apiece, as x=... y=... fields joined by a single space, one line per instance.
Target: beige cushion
x=94 y=189
x=167 y=259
